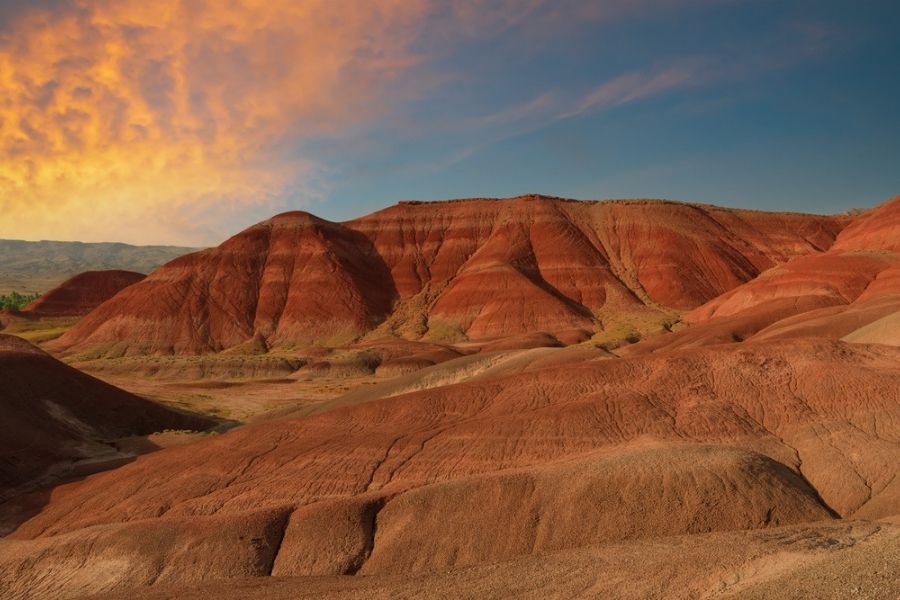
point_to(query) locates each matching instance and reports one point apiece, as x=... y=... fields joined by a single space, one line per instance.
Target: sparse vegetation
x=16 y=301
x=39 y=336
x=442 y=331
x=38 y=331
x=619 y=329
x=194 y=432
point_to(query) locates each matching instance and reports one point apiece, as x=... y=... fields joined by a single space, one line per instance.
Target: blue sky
x=188 y=120
x=783 y=106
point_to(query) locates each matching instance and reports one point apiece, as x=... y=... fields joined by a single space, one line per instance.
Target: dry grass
x=38 y=331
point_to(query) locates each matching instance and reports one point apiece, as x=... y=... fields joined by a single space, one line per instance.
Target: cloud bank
x=112 y=113
x=159 y=122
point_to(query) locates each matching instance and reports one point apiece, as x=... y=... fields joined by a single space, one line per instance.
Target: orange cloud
x=135 y=120
x=113 y=114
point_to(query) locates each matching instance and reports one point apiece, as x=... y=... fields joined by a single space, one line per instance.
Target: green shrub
x=16 y=301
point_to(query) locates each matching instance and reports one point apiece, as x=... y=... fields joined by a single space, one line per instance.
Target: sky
x=185 y=121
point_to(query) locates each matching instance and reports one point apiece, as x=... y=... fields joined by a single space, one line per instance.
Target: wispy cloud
x=794 y=42
x=640 y=85
x=552 y=106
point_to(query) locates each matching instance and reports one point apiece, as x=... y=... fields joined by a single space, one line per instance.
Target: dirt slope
x=54 y=414
x=473 y=269
x=829 y=562
x=725 y=438
x=853 y=287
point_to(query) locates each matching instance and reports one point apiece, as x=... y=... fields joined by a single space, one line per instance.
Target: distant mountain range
x=27 y=267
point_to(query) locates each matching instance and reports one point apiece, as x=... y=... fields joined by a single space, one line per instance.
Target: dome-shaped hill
x=875 y=230
x=82 y=293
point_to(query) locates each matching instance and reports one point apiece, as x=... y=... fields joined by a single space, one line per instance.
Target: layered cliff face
x=475 y=269
x=537 y=263
x=82 y=293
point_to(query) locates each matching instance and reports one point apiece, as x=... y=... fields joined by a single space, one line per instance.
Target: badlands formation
x=531 y=397
x=450 y=271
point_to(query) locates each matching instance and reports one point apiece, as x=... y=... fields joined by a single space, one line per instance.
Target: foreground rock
x=731 y=438
x=833 y=561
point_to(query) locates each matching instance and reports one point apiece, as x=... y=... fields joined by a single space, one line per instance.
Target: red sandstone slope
x=82 y=293
x=732 y=437
x=811 y=561
x=52 y=413
x=475 y=268
x=833 y=294
x=877 y=230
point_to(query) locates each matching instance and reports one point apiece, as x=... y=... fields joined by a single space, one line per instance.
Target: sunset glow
x=132 y=120
x=129 y=110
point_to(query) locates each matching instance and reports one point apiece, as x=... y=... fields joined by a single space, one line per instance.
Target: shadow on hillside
x=23 y=506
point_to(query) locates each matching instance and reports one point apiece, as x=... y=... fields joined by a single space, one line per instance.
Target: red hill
x=472 y=269
x=875 y=230
x=833 y=294
x=479 y=462
x=82 y=293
